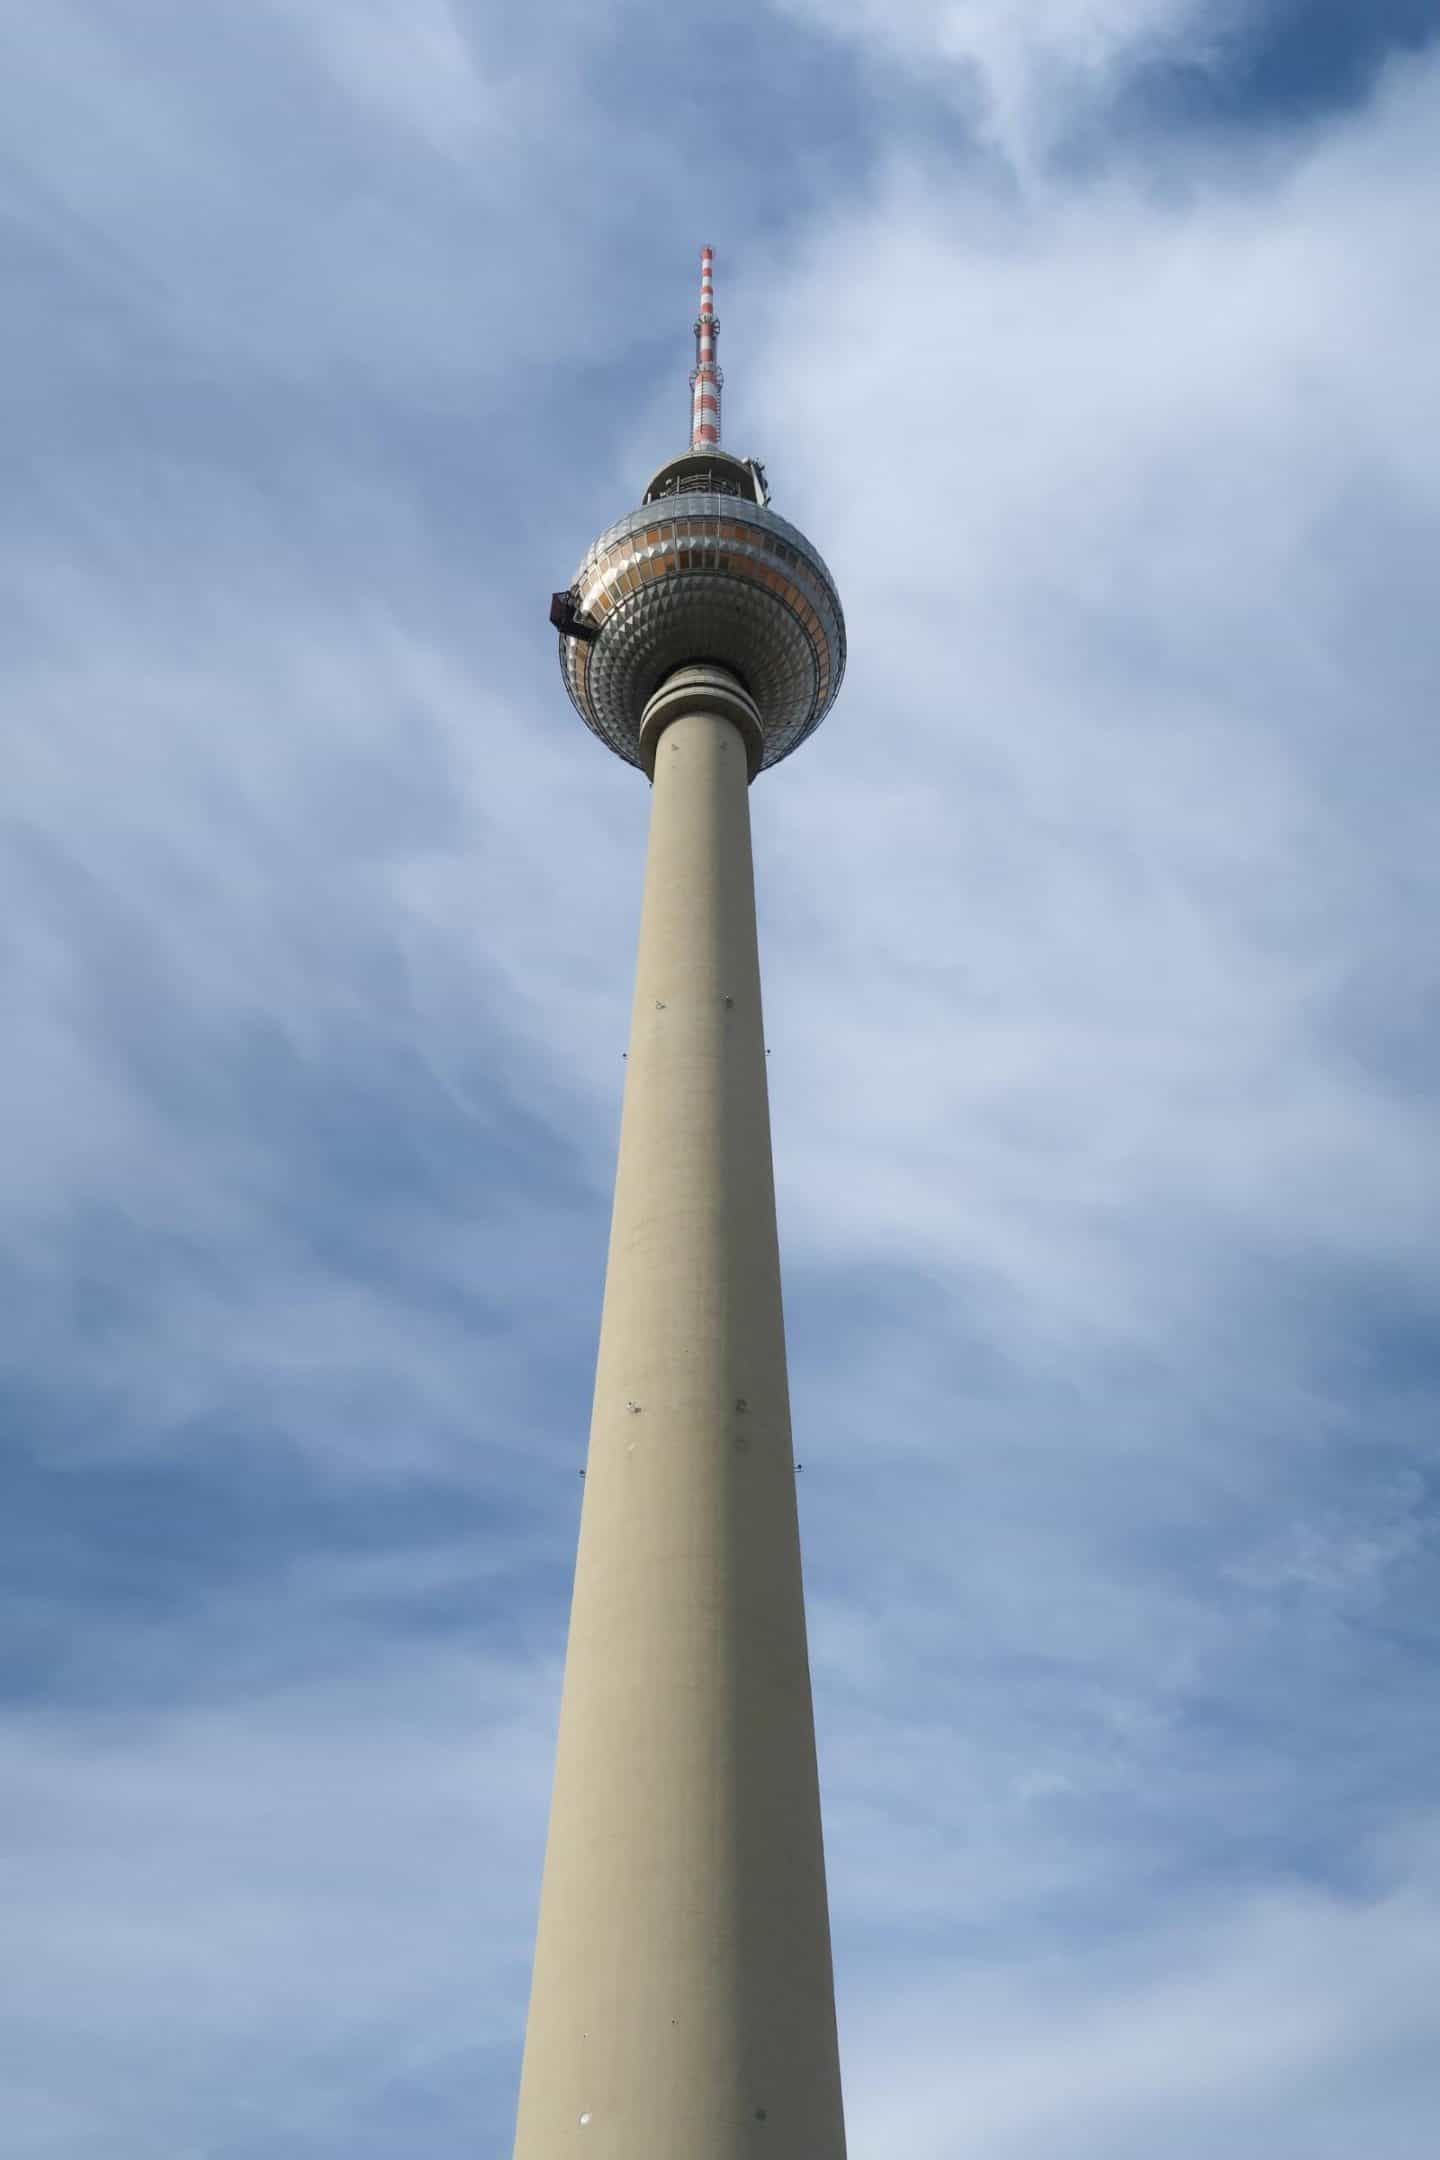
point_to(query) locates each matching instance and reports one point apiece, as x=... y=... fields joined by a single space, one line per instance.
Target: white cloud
x=311 y=196
x=413 y=62
x=1027 y=72
x=330 y=1884
x=1137 y=710
x=1292 y=2023
x=314 y=874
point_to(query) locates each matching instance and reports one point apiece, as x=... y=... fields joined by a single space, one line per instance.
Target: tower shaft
x=682 y=2005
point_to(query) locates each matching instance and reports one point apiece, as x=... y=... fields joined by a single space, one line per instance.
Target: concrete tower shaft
x=682 y=2001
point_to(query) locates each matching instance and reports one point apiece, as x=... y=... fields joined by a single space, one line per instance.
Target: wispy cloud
x=1027 y=76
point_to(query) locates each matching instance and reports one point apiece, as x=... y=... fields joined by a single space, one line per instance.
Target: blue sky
x=1101 y=983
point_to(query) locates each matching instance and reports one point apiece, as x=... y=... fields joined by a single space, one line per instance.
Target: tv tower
x=682 y=2006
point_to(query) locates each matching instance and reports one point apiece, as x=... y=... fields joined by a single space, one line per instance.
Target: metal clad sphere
x=711 y=578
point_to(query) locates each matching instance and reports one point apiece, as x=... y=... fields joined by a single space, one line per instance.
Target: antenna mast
x=706 y=381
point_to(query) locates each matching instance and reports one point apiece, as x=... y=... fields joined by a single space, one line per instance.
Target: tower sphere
x=704 y=572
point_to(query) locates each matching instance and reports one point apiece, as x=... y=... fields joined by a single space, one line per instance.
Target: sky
x=1093 y=342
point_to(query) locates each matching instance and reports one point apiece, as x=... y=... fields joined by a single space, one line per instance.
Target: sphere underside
x=717 y=580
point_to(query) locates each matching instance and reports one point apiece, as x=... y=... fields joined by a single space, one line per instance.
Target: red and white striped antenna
x=706 y=381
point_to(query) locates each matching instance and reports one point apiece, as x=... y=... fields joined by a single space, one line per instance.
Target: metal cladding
x=702 y=571
x=704 y=577
x=707 y=380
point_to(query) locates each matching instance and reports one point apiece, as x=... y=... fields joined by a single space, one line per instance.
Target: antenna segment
x=706 y=381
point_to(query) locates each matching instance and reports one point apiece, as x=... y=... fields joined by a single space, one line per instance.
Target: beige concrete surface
x=682 y=2004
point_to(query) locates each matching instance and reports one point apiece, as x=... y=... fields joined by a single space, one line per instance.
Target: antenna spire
x=706 y=381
